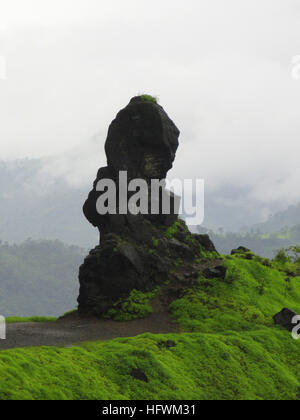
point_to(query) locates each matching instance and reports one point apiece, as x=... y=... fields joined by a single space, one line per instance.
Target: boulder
x=284 y=318
x=139 y=375
x=218 y=272
x=240 y=250
x=206 y=242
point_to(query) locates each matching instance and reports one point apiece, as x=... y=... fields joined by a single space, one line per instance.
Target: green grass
x=247 y=300
x=252 y=365
x=229 y=348
x=136 y=306
x=170 y=232
x=72 y=311
x=149 y=98
x=16 y=319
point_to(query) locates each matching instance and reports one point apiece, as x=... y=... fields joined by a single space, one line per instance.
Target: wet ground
x=72 y=330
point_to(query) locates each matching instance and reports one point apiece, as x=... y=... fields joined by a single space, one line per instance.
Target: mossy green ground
x=248 y=299
x=229 y=348
x=136 y=306
x=16 y=319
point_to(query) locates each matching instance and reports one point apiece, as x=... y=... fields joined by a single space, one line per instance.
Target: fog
x=222 y=70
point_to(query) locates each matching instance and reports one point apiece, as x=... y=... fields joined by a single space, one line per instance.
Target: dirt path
x=74 y=330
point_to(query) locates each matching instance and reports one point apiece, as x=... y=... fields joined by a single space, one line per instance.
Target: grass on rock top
x=229 y=348
x=149 y=98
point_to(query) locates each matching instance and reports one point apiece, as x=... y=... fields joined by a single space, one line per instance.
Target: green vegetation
x=72 y=311
x=155 y=243
x=15 y=319
x=211 y=255
x=172 y=230
x=247 y=300
x=136 y=306
x=260 y=364
x=149 y=98
x=288 y=260
x=229 y=347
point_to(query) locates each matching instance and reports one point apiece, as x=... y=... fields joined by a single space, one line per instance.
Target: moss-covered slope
x=229 y=348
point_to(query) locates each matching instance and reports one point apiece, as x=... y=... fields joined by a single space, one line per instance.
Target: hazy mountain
x=39 y=278
x=280 y=220
x=42 y=199
x=265 y=245
x=35 y=206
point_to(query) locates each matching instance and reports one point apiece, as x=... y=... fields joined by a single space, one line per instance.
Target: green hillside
x=229 y=347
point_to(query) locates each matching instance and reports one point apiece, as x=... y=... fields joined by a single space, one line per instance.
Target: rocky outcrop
x=142 y=141
x=137 y=251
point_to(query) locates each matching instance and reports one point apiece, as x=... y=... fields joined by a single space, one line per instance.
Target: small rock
x=290 y=273
x=225 y=356
x=167 y=344
x=249 y=256
x=170 y=344
x=180 y=248
x=215 y=272
x=240 y=250
x=284 y=318
x=192 y=275
x=139 y=375
x=206 y=242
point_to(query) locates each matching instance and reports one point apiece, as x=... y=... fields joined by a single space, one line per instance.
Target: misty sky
x=221 y=69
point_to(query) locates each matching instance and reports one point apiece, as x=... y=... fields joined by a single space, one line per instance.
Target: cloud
x=222 y=70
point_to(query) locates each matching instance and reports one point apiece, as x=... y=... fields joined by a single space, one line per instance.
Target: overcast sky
x=222 y=70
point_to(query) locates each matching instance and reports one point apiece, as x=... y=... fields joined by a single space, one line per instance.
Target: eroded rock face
x=142 y=141
x=136 y=251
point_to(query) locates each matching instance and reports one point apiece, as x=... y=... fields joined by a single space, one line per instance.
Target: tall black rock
x=136 y=251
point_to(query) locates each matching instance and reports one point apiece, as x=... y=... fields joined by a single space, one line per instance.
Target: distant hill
x=43 y=198
x=39 y=203
x=282 y=220
x=38 y=278
x=36 y=206
x=264 y=244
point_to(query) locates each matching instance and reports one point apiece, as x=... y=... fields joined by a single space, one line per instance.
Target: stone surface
x=166 y=344
x=139 y=375
x=136 y=251
x=142 y=141
x=284 y=318
x=218 y=272
x=240 y=250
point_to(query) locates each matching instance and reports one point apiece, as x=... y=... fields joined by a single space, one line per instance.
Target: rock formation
x=137 y=251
